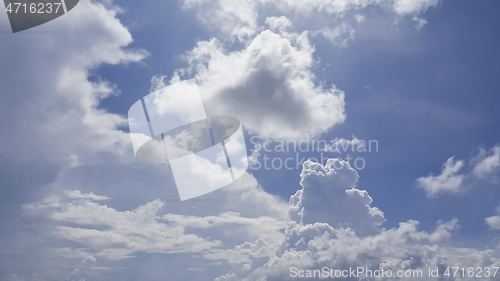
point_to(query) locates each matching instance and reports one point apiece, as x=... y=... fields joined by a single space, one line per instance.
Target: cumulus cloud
x=448 y=182
x=280 y=24
x=268 y=86
x=269 y=83
x=442 y=234
x=244 y=212
x=332 y=240
x=329 y=195
x=493 y=222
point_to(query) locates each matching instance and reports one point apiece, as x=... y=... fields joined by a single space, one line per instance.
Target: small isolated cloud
x=329 y=195
x=493 y=222
x=419 y=22
x=359 y=18
x=448 y=182
x=487 y=163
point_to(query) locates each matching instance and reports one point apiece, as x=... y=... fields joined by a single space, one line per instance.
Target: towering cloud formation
x=329 y=195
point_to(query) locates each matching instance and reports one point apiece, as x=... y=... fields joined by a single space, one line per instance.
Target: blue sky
x=418 y=76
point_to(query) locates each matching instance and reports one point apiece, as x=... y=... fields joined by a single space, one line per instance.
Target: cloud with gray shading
x=268 y=86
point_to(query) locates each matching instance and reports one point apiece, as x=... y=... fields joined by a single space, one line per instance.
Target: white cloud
x=359 y=18
x=482 y=167
x=267 y=85
x=245 y=253
x=329 y=195
x=448 y=182
x=487 y=163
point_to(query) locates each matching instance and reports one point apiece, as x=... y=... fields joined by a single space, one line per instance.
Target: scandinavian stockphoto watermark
x=291 y=154
x=170 y=126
